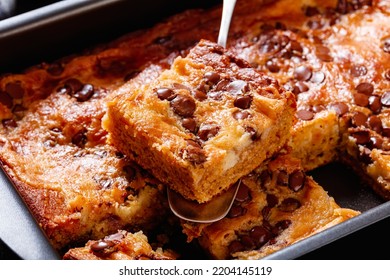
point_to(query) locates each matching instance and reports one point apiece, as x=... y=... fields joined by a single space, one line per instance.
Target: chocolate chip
x=212 y=77
x=317 y=77
x=260 y=235
x=265 y=212
x=72 y=86
x=6 y=99
x=365 y=88
x=374 y=103
x=311 y=11
x=315 y=23
x=365 y=155
x=189 y=123
x=282 y=178
x=248 y=242
x=362 y=137
x=79 y=139
x=302 y=73
x=296 y=180
x=358 y=70
x=267 y=225
x=9 y=123
x=323 y=53
x=272 y=200
x=101 y=245
x=375 y=123
x=361 y=99
x=359 y=119
x=286 y=53
x=15 y=89
x=253 y=133
x=165 y=93
x=85 y=93
x=282 y=225
x=385 y=99
x=241 y=115
x=340 y=108
x=268 y=45
x=283 y=40
x=194 y=152
x=243 y=102
x=342 y=6
x=280 y=25
x=315 y=39
x=207 y=131
x=130 y=171
x=387 y=75
x=300 y=87
x=296 y=48
x=272 y=66
x=235 y=246
x=183 y=105
x=386 y=132
x=375 y=142
x=243 y=194
x=305 y=115
x=386 y=45
x=222 y=85
x=236 y=211
x=289 y=205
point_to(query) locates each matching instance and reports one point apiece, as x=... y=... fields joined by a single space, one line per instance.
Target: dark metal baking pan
x=70 y=26
x=18 y=229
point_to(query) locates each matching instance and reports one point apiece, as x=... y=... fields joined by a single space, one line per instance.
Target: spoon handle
x=227 y=12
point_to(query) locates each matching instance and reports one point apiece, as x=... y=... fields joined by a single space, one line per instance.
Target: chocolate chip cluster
x=267 y=231
x=212 y=88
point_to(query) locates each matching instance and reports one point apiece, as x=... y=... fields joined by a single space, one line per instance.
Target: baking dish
x=89 y=23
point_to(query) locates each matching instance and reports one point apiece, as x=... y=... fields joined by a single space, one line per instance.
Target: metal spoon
x=208 y=212
x=218 y=207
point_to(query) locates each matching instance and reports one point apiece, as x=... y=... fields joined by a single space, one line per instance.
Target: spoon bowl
x=207 y=212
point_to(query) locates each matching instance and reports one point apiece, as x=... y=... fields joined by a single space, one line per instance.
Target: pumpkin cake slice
x=202 y=124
